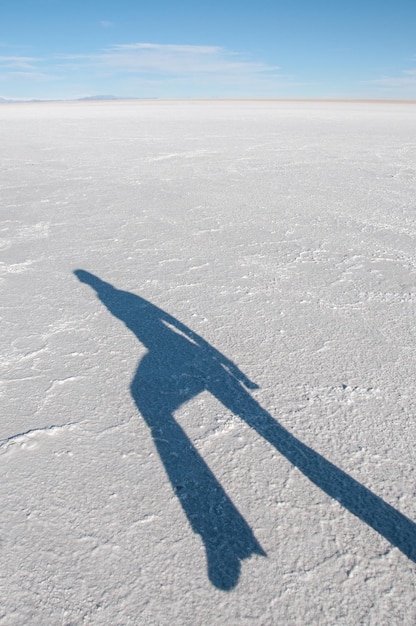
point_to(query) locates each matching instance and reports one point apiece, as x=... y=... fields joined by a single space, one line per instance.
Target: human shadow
x=178 y=365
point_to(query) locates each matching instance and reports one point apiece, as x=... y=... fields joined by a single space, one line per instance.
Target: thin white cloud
x=24 y=69
x=27 y=76
x=106 y=24
x=405 y=80
x=174 y=48
x=18 y=63
x=172 y=59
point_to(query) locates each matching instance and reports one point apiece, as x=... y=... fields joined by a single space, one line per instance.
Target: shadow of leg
x=227 y=537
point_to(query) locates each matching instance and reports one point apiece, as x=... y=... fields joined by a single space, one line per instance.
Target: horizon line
x=98 y=100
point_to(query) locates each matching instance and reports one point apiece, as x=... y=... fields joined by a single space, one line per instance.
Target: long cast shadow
x=178 y=365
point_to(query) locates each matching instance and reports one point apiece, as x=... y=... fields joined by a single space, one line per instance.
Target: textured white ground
x=284 y=234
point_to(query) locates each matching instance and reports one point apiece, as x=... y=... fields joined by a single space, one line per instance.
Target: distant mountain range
x=88 y=98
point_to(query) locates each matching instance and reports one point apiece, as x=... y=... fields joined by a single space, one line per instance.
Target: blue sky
x=269 y=48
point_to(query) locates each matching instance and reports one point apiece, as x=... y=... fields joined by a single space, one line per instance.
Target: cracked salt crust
x=296 y=223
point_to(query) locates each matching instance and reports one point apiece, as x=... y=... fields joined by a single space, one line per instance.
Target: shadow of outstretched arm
x=199 y=341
